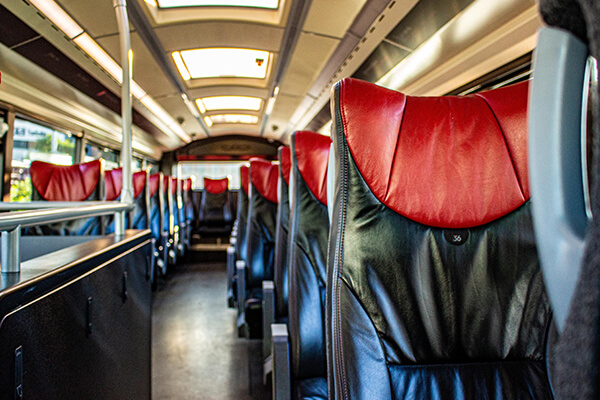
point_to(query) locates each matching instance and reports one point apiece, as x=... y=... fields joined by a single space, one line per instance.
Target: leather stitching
x=510 y=157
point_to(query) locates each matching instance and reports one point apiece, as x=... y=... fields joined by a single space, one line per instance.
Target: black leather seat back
x=156 y=206
x=215 y=207
x=280 y=273
x=79 y=182
x=435 y=290
x=138 y=218
x=262 y=215
x=242 y=214
x=309 y=231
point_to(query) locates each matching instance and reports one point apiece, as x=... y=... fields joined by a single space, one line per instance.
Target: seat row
x=162 y=204
x=428 y=283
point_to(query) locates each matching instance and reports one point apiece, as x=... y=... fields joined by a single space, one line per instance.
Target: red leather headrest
x=264 y=176
x=449 y=162
x=154 y=181
x=113 y=181
x=311 y=151
x=139 y=182
x=244 y=178
x=216 y=186
x=166 y=180
x=188 y=185
x=65 y=182
x=285 y=162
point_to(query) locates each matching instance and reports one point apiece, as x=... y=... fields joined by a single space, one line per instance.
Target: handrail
x=38 y=205
x=12 y=222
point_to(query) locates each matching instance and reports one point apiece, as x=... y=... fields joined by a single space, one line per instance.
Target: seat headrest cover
x=139 y=182
x=311 y=150
x=216 y=186
x=174 y=182
x=166 y=184
x=264 y=176
x=244 y=178
x=285 y=162
x=188 y=185
x=65 y=182
x=113 y=181
x=468 y=153
x=154 y=181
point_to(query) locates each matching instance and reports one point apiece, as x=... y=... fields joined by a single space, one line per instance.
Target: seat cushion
x=311 y=389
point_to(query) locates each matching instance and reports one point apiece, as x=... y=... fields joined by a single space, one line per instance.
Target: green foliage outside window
x=20 y=190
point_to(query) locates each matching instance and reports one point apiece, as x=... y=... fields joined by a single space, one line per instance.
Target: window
x=214 y=170
x=33 y=141
x=94 y=151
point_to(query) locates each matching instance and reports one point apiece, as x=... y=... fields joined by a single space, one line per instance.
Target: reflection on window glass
x=136 y=164
x=94 y=151
x=32 y=142
x=214 y=170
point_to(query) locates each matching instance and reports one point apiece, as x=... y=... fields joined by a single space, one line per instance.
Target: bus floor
x=196 y=353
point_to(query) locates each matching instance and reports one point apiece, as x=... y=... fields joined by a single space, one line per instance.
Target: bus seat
x=260 y=236
x=280 y=272
x=176 y=209
x=79 y=182
x=168 y=224
x=309 y=232
x=188 y=211
x=240 y=237
x=564 y=126
x=155 y=194
x=215 y=208
x=275 y=293
x=434 y=284
x=113 y=180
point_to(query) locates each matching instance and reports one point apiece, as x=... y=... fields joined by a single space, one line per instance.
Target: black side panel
x=88 y=339
x=280 y=273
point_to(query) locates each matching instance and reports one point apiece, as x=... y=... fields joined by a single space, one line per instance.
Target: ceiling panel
x=228 y=91
x=98 y=18
x=319 y=19
x=215 y=34
x=311 y=54
x=284 y=107
x=146 y=72
x=426 y=17
x=176 y=107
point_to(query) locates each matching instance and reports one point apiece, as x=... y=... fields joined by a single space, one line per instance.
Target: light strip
x=100 y=56
x=208 y=121
x=190 y=106
x=59 y=17
x=270 y=4
x=233 y=119
x=230 y=103
x=270 y=106
x=185 y=74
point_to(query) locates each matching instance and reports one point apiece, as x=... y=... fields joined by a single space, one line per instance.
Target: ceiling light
x=230 y=103
x=200 y=106
x=233 y=119
x=185 y=74
x=272 y=4
x=223 y=63
x=97 y=53
x=208 y=121
x=60 y=18
x=270 y=106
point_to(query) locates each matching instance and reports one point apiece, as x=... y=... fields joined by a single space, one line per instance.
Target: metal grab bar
x=12 y=222
x=38 y=205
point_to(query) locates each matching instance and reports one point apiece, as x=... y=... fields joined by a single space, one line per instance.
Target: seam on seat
x=393 y=162
x=379 y=334
x=510 y=156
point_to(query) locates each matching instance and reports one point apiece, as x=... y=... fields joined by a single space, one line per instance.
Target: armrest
x=268 y=289
x=240 y=267
x=230 y=273
x=280 y=351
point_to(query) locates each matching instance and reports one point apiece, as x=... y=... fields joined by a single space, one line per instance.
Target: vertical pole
x=126 y=61
x=10 y=260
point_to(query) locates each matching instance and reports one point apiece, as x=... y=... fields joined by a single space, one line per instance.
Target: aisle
x=195 y=351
